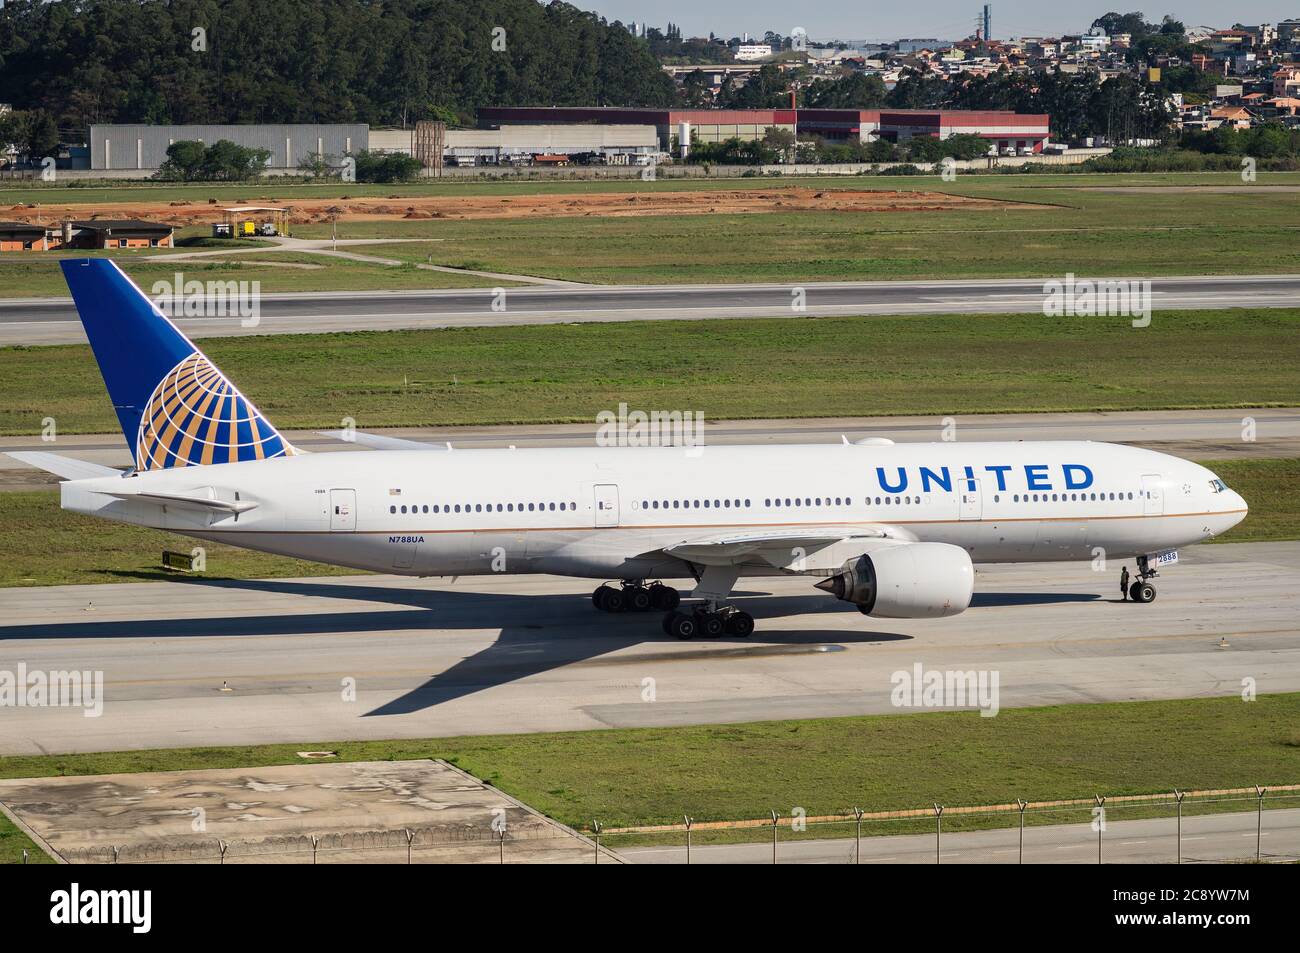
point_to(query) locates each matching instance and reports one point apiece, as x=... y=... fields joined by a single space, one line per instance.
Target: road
x=1195 y=434
x=213 y=662
x=1209 y=838
x=53 y=321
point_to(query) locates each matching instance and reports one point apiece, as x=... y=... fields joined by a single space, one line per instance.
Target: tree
x=386 y=167
x=767 y=89
x=184 y=162
x=855 y=91
x=384 y=63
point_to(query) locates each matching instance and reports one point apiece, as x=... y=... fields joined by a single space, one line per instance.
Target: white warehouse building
x=613 y=144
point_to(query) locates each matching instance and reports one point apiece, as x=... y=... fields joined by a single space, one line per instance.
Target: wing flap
x=781 y=549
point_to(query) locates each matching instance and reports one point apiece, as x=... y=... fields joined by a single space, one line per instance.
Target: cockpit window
x=1217 y=486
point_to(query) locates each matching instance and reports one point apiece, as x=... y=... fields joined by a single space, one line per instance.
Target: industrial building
x=521 y=145
x=144 y=147
x=1005 y=130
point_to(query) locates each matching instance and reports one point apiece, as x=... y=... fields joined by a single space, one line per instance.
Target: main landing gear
x=1140 y=590
x=709 y=621
x=636 y=596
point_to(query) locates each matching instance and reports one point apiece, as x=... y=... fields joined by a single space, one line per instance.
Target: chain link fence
x=1235 y=820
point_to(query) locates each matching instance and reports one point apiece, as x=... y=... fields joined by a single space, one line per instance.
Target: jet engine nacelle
x=906 y=581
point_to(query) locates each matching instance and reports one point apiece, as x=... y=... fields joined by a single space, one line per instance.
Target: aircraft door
x=971 y=506
x=343 y=511
x=1153 y=495
x=606 y=499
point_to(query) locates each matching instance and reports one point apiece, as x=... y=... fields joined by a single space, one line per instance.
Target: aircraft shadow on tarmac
x=572 y=632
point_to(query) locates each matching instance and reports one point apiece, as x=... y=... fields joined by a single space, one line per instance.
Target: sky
x=943 y=19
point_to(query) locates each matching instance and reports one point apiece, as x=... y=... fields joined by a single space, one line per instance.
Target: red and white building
x=1005 y=130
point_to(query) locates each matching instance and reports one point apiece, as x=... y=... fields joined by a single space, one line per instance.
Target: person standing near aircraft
x=1123 y=585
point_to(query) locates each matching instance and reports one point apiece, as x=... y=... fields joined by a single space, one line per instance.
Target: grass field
x=1084 y=232
x=791 y=367
x=40 y=545
x=879 y=762
x=1169 y=230
x=275 y=190
x=40 y=276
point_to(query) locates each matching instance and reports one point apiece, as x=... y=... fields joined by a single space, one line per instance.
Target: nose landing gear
x=1140 y=590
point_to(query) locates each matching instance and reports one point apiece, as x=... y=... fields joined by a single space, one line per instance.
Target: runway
x=1194 y=434
x=316 y=660
x=53 y=320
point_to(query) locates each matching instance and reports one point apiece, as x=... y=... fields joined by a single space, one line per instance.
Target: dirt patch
x=607 y=204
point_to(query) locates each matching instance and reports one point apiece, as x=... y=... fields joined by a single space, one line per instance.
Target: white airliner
x=893 y=530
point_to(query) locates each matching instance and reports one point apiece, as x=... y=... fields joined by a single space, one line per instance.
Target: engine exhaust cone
x=832 y=584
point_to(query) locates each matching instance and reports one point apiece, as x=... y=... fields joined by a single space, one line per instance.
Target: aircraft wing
x=66 y=467
x=780 y=548
x=379 y=441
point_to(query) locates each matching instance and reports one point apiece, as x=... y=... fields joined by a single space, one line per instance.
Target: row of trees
x=33 y=131
x=780 y=145
x=1080 y=104
x=385 y=63
x=224 y=161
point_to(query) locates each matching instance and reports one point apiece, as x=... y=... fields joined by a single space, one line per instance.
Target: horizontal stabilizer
x=189 y=502
x=380 y=442
x=65 y=467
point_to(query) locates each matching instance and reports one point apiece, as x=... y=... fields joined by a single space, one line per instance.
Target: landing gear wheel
x=740 y=624
x=712 y=624
x=681 y=624
x=609 y=599
x=637 y=598
x=1142 y=592
x=664 y=598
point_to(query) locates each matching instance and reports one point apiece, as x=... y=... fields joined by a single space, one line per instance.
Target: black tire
x=614 y=600
x=638 y=598
x=683 y=625
x=1144 y=593
x=598 y=598
x=664 y=598
x=740 y=624
x=712 y=625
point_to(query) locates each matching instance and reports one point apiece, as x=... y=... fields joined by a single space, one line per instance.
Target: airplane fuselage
x=610 y=512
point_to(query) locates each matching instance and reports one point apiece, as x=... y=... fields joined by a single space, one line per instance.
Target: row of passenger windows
x=1064 y=497
x=484 y=508
x=771 y=503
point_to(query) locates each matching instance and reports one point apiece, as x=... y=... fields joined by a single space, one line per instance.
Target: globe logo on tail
x=195 y=416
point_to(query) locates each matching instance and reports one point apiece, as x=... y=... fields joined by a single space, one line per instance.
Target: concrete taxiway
x=54 y=320
x=1195 y=434
x=1210 y=838
x=210 y=662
